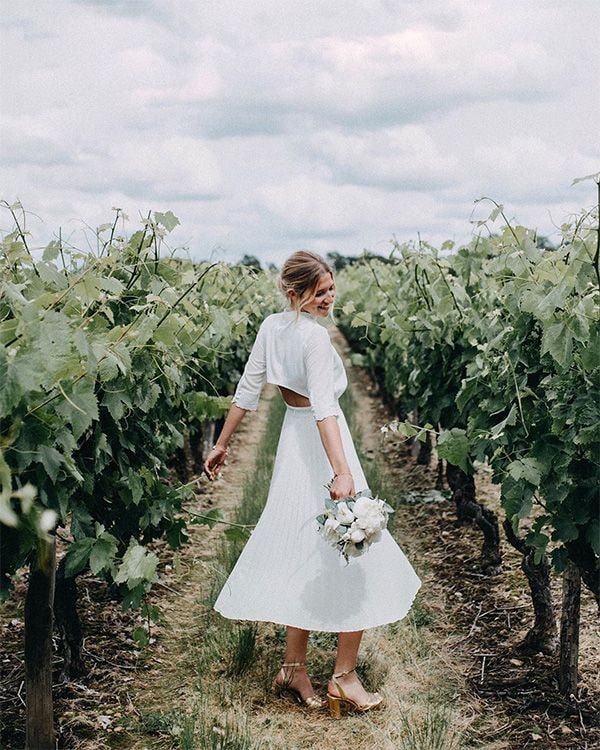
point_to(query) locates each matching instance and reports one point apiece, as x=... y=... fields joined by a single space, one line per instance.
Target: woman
x=287 y=573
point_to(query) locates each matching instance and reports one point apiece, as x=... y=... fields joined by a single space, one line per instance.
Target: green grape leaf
x=168 y=220
x=140 y=636
x=80 y=408
x=110 y=284
x=103 y=553
x=529 y=469
x=50 y=459
x=453 y=446
x=590 y=355
x=138 y=565
x=176 y=534
x=558 y=342
x=235 y=534
x=78 y=555
x=203 y=407
x=51 y=251
x=406 y=429
x=564 y=529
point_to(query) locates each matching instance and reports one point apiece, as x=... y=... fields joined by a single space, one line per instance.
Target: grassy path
x=448 y=670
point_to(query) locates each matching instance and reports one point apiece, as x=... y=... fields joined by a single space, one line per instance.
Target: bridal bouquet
x=353 y=524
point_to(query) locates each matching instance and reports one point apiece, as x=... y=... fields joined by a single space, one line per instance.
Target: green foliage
x=497 y=345
x=106 y=360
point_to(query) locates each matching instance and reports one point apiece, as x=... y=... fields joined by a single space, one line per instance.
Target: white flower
x=344 y=514
x=353 y=531
x=369 y=515
x=357 y=535
x=330 y=530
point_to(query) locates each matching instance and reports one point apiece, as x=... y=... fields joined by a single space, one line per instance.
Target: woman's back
x=295 y=352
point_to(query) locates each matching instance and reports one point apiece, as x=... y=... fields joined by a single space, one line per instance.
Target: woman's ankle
x=343 y=671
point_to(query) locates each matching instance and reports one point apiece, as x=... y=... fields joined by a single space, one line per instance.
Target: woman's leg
x=347 y=651
x=345 y=660
x=296 y=644
x=295 y=652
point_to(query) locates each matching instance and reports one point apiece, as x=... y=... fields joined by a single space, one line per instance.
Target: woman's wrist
x=342 y=474
x=216 y=446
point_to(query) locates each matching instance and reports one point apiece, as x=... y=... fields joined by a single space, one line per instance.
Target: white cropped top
x=294 y=351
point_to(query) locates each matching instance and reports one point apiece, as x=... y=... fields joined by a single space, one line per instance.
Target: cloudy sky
x=269 y=125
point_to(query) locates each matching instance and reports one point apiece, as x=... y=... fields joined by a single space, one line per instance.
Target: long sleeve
x=320 y=374
x=254 y=376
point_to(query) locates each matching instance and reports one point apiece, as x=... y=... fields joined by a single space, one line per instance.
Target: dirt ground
x=507 y=698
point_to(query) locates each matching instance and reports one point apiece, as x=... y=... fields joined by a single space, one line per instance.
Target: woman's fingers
x=336 y=494
x=212 y=465
x=342 y=487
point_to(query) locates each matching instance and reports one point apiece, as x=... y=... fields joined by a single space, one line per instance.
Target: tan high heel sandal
x=338 y=702
x=312 y=702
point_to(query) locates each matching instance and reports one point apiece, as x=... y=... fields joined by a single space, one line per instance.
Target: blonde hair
x=301 y=273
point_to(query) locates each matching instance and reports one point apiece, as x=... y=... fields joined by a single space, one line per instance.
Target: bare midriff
x=292 y=398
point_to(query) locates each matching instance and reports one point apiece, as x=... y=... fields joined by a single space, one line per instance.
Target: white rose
x=330 y=530
x=364 y=504
x=369 y=515
x=344 y=514
x=356 y=533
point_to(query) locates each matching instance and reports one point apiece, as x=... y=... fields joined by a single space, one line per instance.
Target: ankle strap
x=294 y=664
x=343 y=674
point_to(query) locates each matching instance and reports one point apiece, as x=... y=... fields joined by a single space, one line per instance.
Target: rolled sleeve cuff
x=245 y=401
x=321 y=412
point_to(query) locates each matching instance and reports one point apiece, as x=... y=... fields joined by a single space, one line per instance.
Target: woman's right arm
x=216 y=458
x=245 y=398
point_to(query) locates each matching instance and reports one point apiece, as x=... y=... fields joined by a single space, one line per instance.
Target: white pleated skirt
x=288 y=574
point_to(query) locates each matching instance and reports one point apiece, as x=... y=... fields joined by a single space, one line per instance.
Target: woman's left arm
x=343 y=484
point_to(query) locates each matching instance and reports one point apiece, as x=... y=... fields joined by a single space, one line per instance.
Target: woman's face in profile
x=323 y=298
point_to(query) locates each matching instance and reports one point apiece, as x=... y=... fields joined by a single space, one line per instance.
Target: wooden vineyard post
x=569 y=630
x=39 y=721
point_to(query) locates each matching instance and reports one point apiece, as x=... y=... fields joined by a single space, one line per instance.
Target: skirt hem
x=329 y=629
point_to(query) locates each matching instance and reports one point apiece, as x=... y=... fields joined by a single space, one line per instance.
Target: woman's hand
x=343 y=486
x=214 y=461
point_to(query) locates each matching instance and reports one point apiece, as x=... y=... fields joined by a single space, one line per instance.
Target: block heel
x=335 y=706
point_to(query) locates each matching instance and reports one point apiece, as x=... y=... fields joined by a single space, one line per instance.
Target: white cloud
x=271 y=124
x=399 y=159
